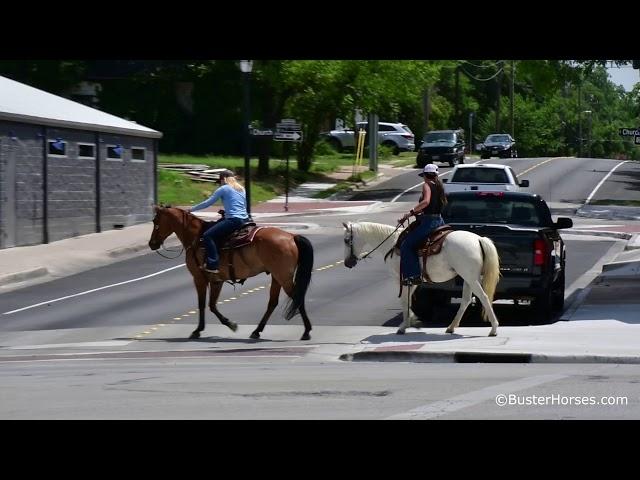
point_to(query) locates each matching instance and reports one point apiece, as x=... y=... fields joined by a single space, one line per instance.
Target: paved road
x=299 y=387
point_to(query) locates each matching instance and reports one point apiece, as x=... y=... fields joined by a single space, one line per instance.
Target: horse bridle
x=156 y=227
x=352 y=255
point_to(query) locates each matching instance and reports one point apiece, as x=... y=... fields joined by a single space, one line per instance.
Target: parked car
x=531 y=250
x=483 y=177
x=397 y=136
x=446 y=146
x=498 y=145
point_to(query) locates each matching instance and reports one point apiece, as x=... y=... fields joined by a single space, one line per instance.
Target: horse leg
x=307 y=323
x=215 y=288
x=201 y=287
x=466 y=300
x=477 y=290
x=274 y=293
x=406 y=311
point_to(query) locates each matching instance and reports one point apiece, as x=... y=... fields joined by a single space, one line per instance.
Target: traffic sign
x=637 y=139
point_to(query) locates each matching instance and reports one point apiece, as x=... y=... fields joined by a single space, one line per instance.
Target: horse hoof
x=255 y=335
x=195 y=335
x=305 y=336
x=400 y=331
x=449 y=330
x=232 y=325
x=493 y=334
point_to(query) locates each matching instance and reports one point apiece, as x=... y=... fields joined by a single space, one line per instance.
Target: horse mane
x=377 y=230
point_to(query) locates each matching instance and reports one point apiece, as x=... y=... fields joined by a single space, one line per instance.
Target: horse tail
x=490 y=270
x=303 y=275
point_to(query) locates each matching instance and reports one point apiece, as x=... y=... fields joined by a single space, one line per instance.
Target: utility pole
x=426 y=99
x=580 y=117
x=498 y=85
x=513 y=81
x=457 y=100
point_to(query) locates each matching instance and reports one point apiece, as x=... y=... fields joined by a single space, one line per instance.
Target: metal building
x=67 y=169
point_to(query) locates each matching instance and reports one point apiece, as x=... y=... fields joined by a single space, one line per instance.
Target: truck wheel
x=557 y=302
x=542 y=305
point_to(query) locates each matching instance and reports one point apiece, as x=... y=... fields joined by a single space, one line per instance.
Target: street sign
x=630 y=132
x=637 y=139
x=261 y=133
x=287 y=137
x=288 y=131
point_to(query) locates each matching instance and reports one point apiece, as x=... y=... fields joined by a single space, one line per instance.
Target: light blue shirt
x=234 y=202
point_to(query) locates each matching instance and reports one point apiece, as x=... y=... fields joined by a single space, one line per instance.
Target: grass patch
x=177 y=189
x=608 y=201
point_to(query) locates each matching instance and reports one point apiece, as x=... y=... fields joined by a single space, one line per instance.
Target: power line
x=484 y=66
x=482 y=79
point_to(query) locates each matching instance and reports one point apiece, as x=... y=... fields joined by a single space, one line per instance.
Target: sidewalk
x=602 y=326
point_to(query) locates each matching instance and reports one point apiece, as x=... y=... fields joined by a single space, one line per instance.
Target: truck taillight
x=539 y=252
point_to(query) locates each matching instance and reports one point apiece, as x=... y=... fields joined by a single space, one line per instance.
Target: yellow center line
x=539 y=164
x=220 y=302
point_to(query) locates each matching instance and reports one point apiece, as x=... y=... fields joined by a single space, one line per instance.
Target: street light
x=246 y=66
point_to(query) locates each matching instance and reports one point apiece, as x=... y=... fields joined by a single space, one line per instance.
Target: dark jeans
x=219 y=231
x=409 y=262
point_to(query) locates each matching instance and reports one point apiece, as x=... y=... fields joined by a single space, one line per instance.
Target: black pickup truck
x=532 y=253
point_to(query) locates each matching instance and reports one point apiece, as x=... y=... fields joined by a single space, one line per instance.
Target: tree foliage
x=197 y=104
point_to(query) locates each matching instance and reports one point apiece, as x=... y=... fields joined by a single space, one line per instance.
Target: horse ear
x=346 y=227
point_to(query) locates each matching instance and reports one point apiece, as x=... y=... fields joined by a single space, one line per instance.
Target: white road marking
x=602 y=181
x=92 y=291
x=465 y=400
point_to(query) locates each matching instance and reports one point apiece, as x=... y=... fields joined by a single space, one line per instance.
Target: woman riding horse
x=428 y=218
x=235 y=216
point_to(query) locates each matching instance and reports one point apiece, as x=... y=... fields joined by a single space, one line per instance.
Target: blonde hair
x=233 y=183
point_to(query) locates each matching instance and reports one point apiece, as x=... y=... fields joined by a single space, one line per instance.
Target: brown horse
x=288 y=257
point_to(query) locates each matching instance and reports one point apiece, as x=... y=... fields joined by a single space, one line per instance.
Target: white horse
x=463 y=253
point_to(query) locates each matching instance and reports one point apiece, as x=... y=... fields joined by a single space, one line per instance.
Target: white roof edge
x=24 y=103
x=149 y=133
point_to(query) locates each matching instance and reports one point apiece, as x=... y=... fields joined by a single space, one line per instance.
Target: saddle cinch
x=431 y=245
x=237 y=239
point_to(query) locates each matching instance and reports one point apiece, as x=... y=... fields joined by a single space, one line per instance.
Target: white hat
x=429 y=168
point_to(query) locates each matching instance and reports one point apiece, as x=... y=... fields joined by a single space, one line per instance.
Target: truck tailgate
x=515 y=246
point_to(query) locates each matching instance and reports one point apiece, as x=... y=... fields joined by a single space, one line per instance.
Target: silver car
x=398 y=136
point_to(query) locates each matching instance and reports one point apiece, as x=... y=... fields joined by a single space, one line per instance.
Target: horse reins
x=370 y=252
x=184 y=214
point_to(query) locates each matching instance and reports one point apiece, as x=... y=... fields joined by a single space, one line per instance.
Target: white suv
x=395 y=135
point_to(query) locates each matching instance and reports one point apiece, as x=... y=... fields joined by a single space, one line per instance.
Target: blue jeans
x=409 y=262
x=220 y=230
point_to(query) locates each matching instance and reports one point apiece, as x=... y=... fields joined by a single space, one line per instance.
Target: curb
x=21 y=276
x=482 y=357
x=600 y=233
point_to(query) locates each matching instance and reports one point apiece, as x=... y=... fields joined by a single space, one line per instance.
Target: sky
x=626 y=76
